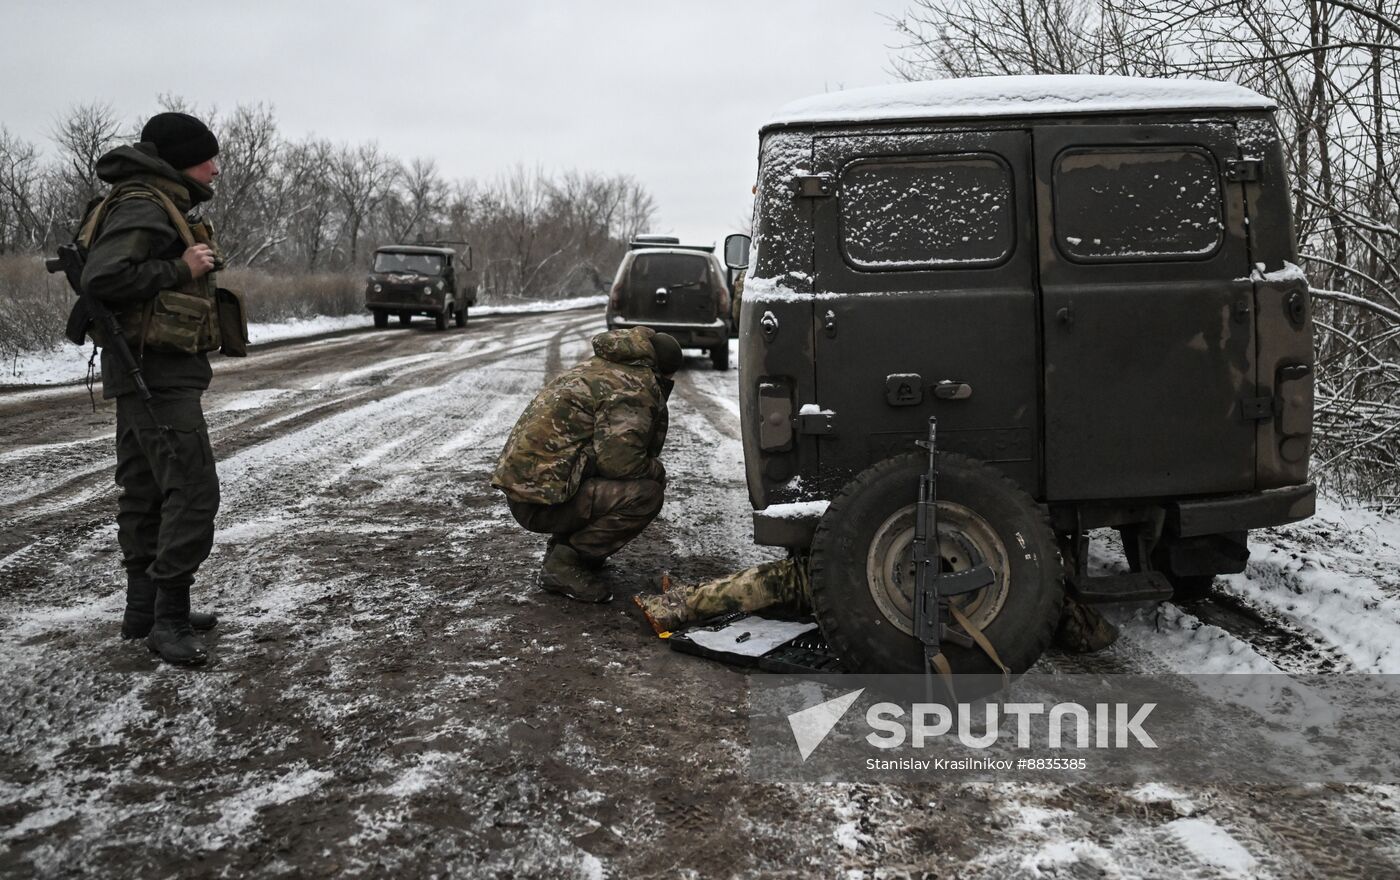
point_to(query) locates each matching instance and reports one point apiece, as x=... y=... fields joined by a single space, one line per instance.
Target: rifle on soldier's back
x=89 y=311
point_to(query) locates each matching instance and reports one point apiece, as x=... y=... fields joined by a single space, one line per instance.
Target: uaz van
x=1090 y=282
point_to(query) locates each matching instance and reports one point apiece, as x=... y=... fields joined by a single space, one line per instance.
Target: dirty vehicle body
x=677 y=289
x=1089 y=281
x=408 y=280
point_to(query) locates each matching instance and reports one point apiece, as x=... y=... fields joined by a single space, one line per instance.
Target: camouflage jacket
x=605 y=417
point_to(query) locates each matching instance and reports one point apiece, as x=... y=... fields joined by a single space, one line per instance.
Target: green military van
x=415 y=279
x=1090 y=282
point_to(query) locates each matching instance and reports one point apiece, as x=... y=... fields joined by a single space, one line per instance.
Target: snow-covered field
x=392 y=695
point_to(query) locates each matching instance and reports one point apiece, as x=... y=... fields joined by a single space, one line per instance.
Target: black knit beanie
x=180 y=139
x=668 y=353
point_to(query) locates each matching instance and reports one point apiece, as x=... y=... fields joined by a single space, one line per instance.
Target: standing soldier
x=582 y=465
x=152 y=266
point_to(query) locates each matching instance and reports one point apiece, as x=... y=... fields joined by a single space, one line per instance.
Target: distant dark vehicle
x=408 y=280
x=677 y=289
x=1089 y=281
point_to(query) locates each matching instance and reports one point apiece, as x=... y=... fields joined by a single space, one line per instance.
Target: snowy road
x=392 y=695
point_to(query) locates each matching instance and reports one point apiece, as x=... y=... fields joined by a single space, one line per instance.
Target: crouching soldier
x=582 y=463
x=784 y=585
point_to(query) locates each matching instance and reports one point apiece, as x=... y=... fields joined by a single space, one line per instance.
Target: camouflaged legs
x=781 y=583
x=600 y=519
x=165 y=513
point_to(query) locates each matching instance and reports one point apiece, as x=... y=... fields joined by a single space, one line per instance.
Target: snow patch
x=1289 y=273
x=1050 y=858
x=797 y=510
x=1213 y=845
x=1157 y=793
x=240 y=810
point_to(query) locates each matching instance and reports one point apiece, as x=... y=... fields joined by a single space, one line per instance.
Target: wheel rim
x=965 y=540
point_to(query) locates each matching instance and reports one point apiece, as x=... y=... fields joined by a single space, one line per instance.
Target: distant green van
x=408 y=280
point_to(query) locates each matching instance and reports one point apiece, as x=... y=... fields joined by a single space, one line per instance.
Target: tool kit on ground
x=766 y=644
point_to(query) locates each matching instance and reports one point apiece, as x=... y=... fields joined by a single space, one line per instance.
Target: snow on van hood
x=1018 y=96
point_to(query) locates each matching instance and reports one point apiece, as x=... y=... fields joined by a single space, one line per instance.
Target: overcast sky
x=671 y=93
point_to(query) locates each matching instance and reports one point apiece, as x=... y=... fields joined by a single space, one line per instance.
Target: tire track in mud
x=1286 y=647
x=54 y=522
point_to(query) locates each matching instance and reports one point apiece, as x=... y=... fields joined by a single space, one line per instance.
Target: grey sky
x=671 y=93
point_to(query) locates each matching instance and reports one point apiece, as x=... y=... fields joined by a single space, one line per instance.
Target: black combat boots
x=568 y=574
x=171 y=636
x=141 y=611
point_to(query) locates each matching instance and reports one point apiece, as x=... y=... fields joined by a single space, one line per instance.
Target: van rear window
x=650 y=271
x=928 y=213
x=1137 y=204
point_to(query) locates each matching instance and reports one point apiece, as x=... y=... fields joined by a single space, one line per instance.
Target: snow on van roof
x=1018 y=96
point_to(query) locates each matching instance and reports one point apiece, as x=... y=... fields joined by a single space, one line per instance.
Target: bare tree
x=361 y=177
x=21 y=226
x=82 y=135
x=420 y=202
x=249 y=152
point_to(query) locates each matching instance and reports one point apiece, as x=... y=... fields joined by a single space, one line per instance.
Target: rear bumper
x=1239 y=513
x=706 y=335
x=425 y=308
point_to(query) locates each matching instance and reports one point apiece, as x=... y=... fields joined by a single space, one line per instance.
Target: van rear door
x=1148 y=311
x=925 y=300
x=670 y=287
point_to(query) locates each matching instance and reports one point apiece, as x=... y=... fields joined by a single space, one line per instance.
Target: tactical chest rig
x=197 y=317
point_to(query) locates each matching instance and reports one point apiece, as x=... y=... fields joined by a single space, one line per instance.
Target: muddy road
x=390 y=693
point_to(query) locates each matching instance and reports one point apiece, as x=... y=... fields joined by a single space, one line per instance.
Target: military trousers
x=781 y=585
x=601 y=517
x=169 y=487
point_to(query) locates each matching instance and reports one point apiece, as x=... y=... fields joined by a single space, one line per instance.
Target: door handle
x=1066 y=316
x=947 y=389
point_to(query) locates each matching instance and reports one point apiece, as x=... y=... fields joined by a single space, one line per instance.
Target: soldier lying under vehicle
x=784 y=585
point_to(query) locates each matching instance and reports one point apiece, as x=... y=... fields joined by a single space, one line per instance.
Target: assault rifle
x=90 y=311
x=932 y=586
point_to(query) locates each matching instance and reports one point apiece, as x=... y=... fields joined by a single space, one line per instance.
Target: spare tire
x=862 y=578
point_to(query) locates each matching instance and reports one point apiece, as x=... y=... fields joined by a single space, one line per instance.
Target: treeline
x=287 y=206
x=1332 y=68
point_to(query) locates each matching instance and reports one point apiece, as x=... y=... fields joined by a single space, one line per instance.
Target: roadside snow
x=298 y=328
x=68 y=364
x=1335 y=577
x=553 y=305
